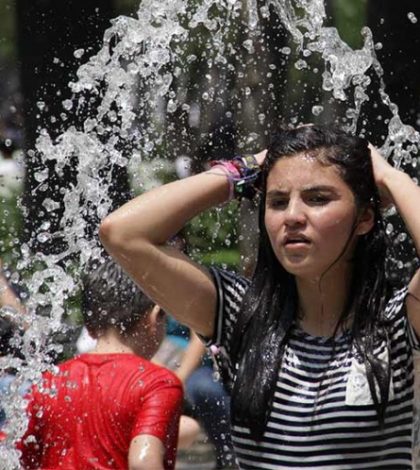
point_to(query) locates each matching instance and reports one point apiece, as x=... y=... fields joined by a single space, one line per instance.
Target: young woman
x=317 y=345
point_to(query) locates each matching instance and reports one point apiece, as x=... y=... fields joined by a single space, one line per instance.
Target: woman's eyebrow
x=320 y=188
x=276 y=193
x=307 y=189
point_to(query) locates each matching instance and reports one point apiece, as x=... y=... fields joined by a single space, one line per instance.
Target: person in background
x=11 y=160
x=11 y=308
x=206 y=400
x=110 y=408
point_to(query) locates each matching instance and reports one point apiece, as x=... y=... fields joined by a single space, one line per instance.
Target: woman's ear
x=366 y=221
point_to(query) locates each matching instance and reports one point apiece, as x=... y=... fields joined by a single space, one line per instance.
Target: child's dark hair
x=269 y=308
x=110 y=299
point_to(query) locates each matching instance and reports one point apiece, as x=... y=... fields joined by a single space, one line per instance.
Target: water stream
x=151 y=49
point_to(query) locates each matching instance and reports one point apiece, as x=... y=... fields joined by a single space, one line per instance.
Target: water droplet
x=412 y=17
x=317 y=110
x=41 y=175
x=89 y=124
x=43 y=237
x=67 y=104
x=40 y=105
x=249 y=46
x=50 y=205
x=171 y=107
x=301 y=64
x=78 y=53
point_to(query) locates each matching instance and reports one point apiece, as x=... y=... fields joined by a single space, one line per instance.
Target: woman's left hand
x=381 y=171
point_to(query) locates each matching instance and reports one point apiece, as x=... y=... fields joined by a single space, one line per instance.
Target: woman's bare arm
x=136 y=234
x=398 y=188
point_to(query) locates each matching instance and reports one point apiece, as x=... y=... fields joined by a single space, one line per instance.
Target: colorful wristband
x=242 y=172
x=230 y=171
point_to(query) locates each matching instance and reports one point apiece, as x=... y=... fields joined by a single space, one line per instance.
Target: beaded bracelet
x=242 y=173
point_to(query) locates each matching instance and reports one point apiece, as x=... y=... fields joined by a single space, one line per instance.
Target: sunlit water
x=149 y=49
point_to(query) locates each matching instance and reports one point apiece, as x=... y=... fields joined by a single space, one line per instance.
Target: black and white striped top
x=323 y=415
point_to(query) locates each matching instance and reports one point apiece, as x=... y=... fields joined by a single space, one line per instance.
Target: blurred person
x=188 y=427
x=10 y=306
x=11 y=165
x=110 y=408
x=208 y=398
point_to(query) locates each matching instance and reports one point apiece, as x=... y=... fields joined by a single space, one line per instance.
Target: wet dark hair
x=269 y=307
x=110 y=299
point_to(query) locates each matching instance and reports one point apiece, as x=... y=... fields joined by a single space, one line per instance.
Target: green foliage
x=213 y=236
x=350 y=17
x=126 y=7
x=10 y=226
x=7 y=30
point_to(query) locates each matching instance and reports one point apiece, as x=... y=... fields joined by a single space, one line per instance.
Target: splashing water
x=149 y=50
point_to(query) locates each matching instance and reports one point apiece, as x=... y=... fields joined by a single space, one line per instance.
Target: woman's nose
x=295 y=213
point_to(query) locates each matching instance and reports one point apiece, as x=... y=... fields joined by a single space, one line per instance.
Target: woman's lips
x=296 y=244
x=296 y=240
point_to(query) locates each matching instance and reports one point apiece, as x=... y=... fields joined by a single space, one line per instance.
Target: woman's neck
x=321 y=302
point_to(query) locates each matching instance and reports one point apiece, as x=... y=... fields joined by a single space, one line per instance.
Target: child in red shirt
x=112 y=408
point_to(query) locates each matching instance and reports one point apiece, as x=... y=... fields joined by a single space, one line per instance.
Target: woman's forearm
x=157 y=215
x=406 y=197
x=136 y=235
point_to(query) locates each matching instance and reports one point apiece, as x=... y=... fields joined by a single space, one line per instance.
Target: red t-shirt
x=88 y=413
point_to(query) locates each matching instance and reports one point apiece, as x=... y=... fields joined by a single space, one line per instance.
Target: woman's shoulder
x=230 y=277
x=230 y=282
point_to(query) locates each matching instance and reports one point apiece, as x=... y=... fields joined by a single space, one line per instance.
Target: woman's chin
x=300 y=268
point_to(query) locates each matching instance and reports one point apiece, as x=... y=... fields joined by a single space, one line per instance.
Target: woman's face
x=310 y=213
